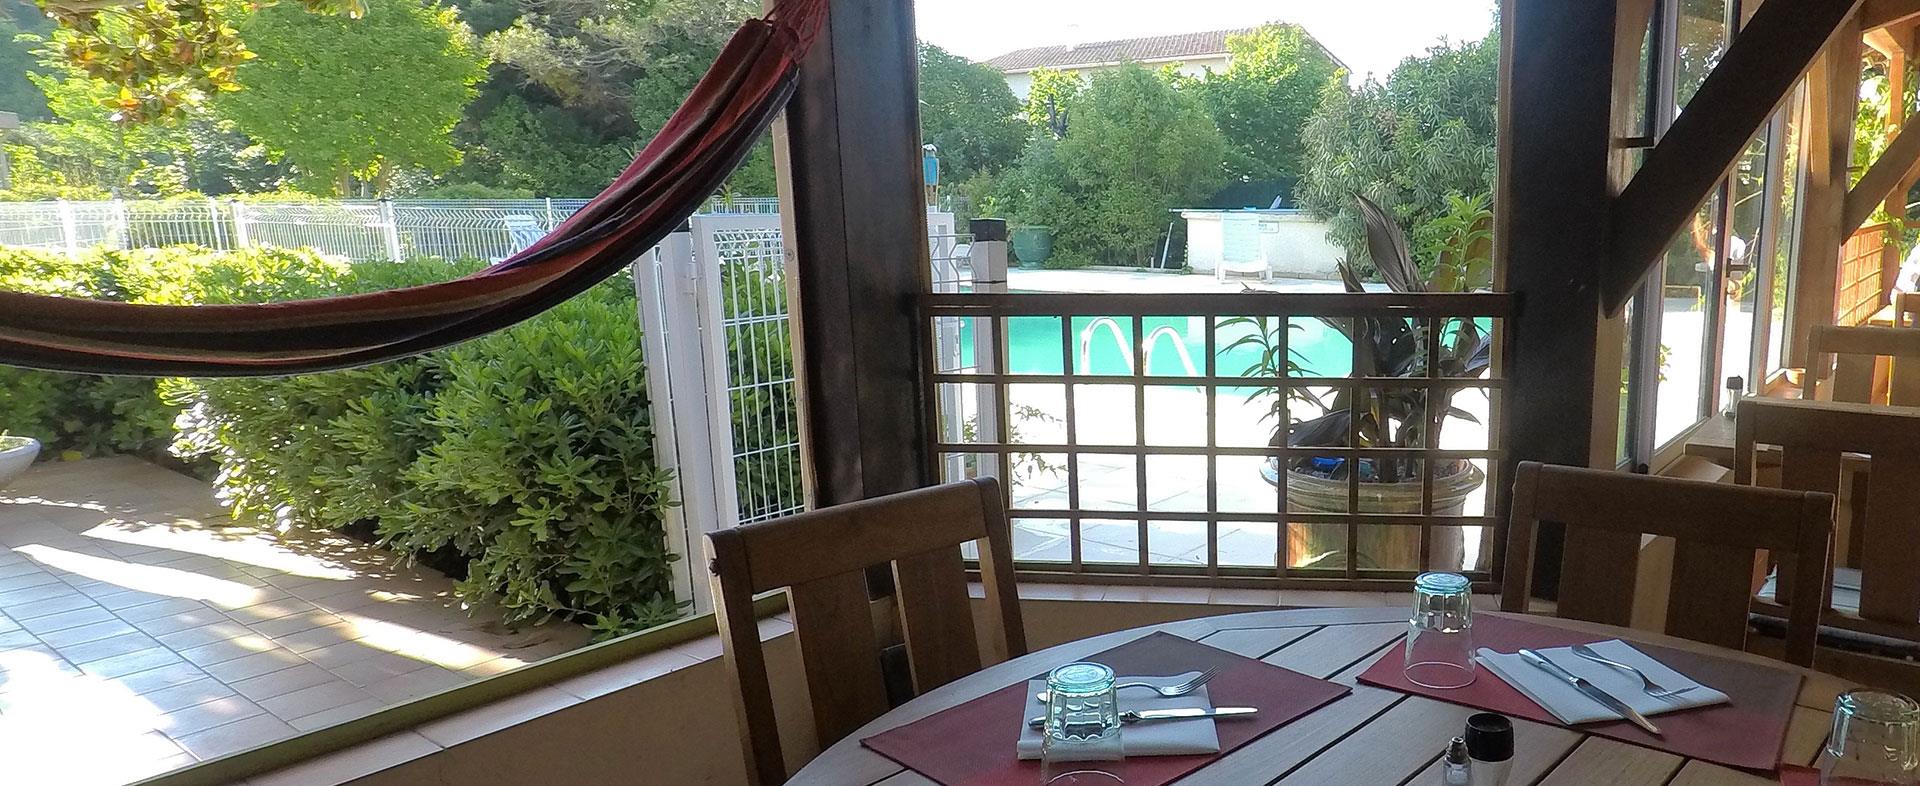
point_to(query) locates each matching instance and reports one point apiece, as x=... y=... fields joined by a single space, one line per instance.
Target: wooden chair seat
x=1843 y=363
x=821 y=559
x=1719 y=531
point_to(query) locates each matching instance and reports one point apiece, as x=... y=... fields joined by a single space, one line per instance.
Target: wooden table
x=1370 y=737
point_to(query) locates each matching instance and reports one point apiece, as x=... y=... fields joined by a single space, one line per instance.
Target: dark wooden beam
x=1882 y=13
x=1555 y=142
x=1884 y=177
x=1833 y=98
x=1759 y=68
x=848 y=158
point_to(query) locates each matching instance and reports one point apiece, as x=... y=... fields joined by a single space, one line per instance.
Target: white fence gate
x=720 y=374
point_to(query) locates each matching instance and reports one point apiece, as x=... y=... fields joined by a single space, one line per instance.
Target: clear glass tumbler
x=1080 y=743
x=1440 y=634
x=1875 y=741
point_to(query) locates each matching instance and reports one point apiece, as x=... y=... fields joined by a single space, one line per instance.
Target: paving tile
x=335 y=656
x=187 y=694
x=282 y=682
x=341 y=714
x=203 y=635
x=24 y=580
x=415 y=684
x=265 y=662
x=144 y=682
x=295 y=623
x=86 y=633
x=378 y=668
x=124 y=598
x=179 y=621
x=317 y=638
x=22 y=596
x=236 y=736
x=271 y=610
x=67 y=619
x=131 y=663
x=49 y=604
x=101 y=649
x=161 y=608
x=17 y=639
x=222 y=651
x=318 y=698
x=206 y=715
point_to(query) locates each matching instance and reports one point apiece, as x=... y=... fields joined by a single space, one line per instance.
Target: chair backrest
x=1852 y=353
x=1818 y=442
x=1717 y=529
x=821 y=559
x=1906 y=309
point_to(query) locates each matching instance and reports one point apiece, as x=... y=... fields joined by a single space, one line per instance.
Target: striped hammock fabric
x=694 y=153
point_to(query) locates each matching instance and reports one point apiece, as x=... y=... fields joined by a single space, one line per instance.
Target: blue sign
x=932 y=165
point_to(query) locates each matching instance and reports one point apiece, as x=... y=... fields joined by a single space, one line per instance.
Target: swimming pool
x=1104 y=345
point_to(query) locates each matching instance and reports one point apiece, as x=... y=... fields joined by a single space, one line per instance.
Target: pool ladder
x=1126 y=353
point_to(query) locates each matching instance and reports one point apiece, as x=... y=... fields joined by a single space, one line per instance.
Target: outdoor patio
x=142 y=628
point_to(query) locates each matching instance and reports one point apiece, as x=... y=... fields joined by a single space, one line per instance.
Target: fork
x=1181 y=688
x=1647 y=684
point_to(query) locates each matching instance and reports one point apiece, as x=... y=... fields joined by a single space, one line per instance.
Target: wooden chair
x=1876 y=595
x=1854 y=352
x=1906 y=309
x=821 y=558
x=1717 y=529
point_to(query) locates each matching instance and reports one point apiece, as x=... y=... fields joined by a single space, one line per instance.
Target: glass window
x=1688 y=285
x=1701 y=35
x=1747 y=218
x=1787 y=234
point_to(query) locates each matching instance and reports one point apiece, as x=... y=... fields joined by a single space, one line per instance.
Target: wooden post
x=1833 y=90
x=1897 y=121
x=1551 y=218
x=848 y=158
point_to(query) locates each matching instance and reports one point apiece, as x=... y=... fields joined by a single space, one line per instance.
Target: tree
x=339 y=98
x=1135 y=148
x=1276 y=78
x=1426 y=133
x=1048 y=96
x=969 y=113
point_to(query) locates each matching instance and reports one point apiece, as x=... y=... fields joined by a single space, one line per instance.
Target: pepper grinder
x=1489 y=741
x=1455 y=766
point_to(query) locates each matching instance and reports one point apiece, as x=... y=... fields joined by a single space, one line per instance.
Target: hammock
x=694 y=153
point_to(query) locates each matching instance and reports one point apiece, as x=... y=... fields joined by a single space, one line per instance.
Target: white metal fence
x=361 y=230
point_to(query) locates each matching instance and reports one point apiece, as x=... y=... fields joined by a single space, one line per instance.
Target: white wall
x=1290 y=243
x=1022 y=83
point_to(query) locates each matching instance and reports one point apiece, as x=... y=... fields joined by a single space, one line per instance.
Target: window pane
x=1689 y=273
x=1743 y=246
x=1788 y=236
x=1702 y=39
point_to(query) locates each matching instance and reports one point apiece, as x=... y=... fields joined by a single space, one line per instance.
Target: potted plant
x=16 y=455
x=1388 y=417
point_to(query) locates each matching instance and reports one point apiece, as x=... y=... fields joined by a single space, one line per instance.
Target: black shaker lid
x=1489 y=737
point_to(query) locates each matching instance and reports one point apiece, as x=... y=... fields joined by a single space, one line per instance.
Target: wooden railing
x=1137 y=445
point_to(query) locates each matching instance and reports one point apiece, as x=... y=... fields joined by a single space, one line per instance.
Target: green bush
x=526 y=454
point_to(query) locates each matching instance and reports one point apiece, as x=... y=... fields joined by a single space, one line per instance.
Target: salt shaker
x=1455 y=767
x=1489 y=741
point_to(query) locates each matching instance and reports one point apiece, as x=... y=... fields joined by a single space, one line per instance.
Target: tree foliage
x=339 y=97
x=1407 y=144
x=1135 y=148
x=1260 y=102
x=969 y=113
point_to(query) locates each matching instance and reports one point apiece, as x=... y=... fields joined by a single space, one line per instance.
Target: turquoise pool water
x=1034 y=346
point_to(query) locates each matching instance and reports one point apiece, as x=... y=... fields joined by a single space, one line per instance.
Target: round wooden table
x=1368 y=738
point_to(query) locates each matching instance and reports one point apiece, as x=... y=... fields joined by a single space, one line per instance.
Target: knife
x=1136 y=716
x=1590 y=690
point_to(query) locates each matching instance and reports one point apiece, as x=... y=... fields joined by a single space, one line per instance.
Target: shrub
x=527 y=454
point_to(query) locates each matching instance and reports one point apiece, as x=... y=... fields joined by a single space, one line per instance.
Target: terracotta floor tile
x=236 y=736
x=282 y=682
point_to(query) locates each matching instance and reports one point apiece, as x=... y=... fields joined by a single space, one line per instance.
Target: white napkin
x=1573 y=707
x=1149 y=738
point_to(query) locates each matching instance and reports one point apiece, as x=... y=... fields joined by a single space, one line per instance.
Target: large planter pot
x=1381 y=548
x=16 y=455
x=1031 y=245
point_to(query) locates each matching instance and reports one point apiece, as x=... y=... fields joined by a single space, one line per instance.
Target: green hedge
x=528 y=452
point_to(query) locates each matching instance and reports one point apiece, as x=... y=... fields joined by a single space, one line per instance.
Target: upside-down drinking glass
x=1440 y=634
x=1875 y=741
x=1080 y=743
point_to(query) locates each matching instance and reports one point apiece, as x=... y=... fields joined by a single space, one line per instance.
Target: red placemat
x=1794 y=775
x=974 y=744
x=1748 y=732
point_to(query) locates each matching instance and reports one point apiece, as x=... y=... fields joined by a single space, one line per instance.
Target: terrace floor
x=143 y=629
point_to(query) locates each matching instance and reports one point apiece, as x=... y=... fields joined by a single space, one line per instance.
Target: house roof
x=1160 y=48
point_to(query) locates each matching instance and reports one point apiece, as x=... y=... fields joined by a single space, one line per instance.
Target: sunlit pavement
x=143 y=629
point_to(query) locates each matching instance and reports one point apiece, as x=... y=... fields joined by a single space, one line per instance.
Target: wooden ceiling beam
x=1884 y=176
x=1753 y=76
x=1881 y=13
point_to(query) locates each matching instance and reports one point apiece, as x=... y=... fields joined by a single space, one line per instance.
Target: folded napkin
x=1148 y=738
x=1573 y=707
